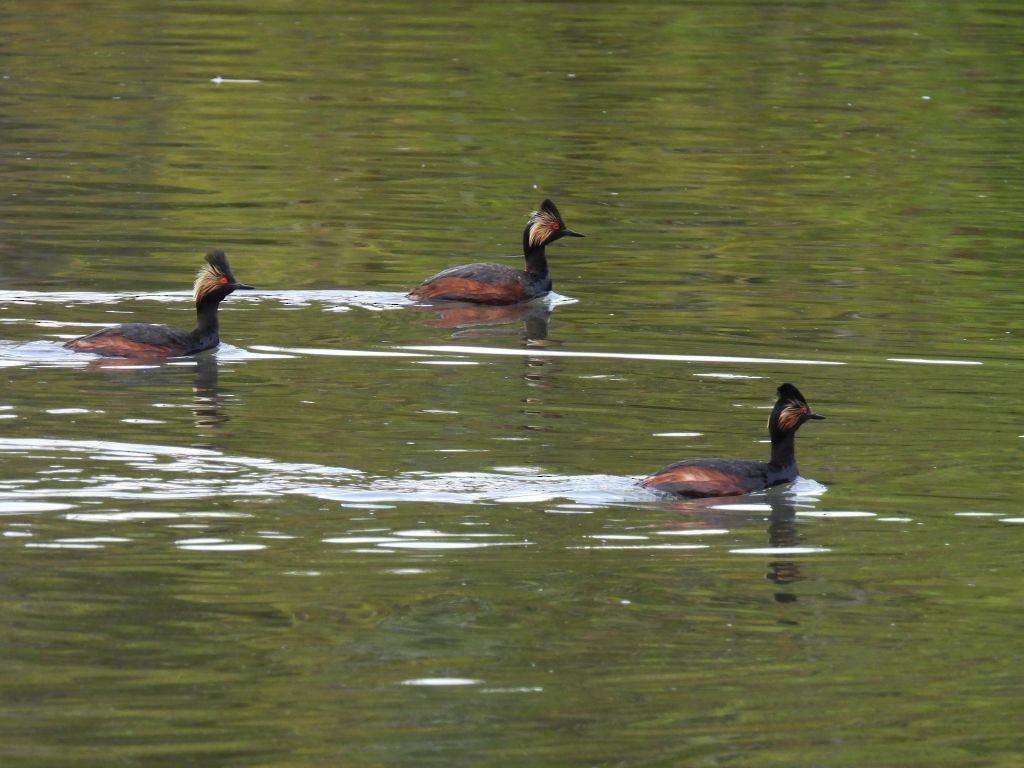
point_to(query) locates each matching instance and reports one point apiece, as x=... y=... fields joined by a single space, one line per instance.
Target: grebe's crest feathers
x=215 y=274
x=544 y=222
x=549 y=207
x=791 y=394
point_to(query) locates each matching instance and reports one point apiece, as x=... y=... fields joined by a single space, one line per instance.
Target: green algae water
x=368 y=533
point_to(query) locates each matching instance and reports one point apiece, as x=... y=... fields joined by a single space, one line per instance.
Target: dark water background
x=365 y=533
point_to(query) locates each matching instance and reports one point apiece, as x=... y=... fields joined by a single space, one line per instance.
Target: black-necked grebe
x=498 y=283
x=697 y=478
x=214 y=283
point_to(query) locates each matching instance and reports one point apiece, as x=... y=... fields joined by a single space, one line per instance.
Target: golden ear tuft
x=790 y=416
x=208 y=279
x=543 y=224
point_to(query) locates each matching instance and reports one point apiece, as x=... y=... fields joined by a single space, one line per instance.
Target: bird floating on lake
x=214 y=282
x=487 y=283
x=696 y=478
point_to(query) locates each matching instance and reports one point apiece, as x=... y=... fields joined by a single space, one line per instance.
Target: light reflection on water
x=158 y=473
x=530 y=319
x=201 y=473
x=155 y=473
x=468 y=321
x=328 y=300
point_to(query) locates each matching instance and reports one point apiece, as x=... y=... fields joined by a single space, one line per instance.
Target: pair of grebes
x=483 y=283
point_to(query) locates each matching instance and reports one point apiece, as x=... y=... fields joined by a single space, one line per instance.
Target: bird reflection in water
x=208 y=399
x=782 y=531
x=488 y=321
x=476 y=321
x=782 y=534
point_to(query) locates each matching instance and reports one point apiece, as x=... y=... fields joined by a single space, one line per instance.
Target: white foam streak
x=926 y=361
x=532 y=352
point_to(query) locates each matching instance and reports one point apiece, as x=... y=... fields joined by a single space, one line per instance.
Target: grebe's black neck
x=784 y=450
x=536 y=261
x=206 y=314
x=207 y=330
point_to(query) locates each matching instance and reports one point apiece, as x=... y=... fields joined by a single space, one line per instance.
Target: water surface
x=366 y=532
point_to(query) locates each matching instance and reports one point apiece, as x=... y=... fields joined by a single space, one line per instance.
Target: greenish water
x=369 y=533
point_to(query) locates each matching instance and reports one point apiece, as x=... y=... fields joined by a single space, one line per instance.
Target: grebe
x=697 y=478
x=498 y=283
x=214 y=283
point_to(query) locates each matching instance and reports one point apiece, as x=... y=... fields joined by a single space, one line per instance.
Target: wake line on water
x=532 y=352
x=344 y=301
x=171 y=472
x=368 y=299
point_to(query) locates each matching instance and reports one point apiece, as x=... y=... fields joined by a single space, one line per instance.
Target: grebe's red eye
x=223 y=280
x=556 y=226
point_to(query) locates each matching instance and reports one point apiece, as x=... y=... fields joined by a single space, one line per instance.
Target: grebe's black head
x=790 y=411
x=545 y=226
x=215 y=281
